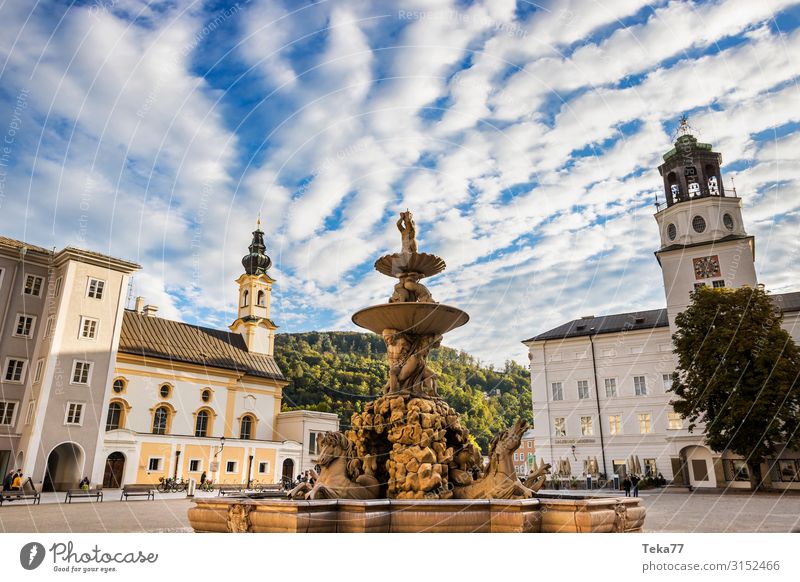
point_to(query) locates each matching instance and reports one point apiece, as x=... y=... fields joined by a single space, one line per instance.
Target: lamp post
x=221 y=446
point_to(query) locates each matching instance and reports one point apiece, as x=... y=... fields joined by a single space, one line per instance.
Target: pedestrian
x=16 y=482
x=626 y=484
x=84 y=484
x=635 y=482
x=202 y=478
x=660 y=480
x=8 y=480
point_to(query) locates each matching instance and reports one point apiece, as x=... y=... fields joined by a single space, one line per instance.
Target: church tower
x=255 y=294
x=703 y=239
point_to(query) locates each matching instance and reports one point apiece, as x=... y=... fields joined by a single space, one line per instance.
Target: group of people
x=631 y=483
x=305 y=477
x=13 y=481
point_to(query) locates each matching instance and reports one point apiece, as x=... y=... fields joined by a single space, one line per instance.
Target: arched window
x=245 y=298
x=160 y=420
x=246 y=429
x=201 y=424
x=262 y=299
x=114 y=419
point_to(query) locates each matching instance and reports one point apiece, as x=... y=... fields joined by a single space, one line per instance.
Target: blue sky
x=524 y=136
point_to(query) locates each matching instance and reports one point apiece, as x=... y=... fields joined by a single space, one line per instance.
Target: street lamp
x=221 y=446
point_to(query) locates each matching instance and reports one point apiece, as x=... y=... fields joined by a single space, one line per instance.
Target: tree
x=738 y=373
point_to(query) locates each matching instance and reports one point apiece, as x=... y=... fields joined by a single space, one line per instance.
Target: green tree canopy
x=340 y=371
x=738 y=373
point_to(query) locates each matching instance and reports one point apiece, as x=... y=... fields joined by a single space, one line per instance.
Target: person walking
x=626 y=484
x=635 y=484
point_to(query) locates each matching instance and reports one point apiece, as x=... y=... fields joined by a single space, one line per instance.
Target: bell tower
x=255 y=295
x=703 y=239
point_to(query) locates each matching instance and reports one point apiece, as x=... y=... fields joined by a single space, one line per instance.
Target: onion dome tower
x=255 y=295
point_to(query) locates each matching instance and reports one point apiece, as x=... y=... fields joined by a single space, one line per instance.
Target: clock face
x=706 y=267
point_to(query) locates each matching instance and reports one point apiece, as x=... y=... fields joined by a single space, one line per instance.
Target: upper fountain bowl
x=398 y=264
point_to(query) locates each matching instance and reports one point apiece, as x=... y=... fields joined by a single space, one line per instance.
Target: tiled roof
x=636 y=320
x=165 y=339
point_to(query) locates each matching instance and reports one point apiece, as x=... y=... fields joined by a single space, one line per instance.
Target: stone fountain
x=407 y=464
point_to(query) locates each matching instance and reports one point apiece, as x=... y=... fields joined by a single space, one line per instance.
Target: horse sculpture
x=340 y=475
x=500 y=480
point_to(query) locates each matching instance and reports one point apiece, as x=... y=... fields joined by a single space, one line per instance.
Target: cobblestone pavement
x=666 y=512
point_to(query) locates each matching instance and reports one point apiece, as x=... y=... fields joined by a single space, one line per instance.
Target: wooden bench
x=225 y=489
x=136 y=490
x=28 y=491
x=96 y=493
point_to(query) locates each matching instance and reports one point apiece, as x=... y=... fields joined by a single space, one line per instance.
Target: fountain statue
x=407 y=464
x=409 y=443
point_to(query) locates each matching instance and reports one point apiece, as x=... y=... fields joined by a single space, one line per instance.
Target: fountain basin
x=589 y=515
x=412 y=318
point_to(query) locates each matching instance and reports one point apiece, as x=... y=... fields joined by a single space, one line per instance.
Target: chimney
x=150 y=310
x=139 y=304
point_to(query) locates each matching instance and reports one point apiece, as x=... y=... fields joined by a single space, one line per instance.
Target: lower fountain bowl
x=413 y=318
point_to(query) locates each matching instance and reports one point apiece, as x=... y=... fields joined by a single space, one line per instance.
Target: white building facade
x=599 y=384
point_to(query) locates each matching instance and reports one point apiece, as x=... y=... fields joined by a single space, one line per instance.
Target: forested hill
x=340 y=371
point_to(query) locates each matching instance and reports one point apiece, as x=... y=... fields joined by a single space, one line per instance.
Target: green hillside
x=340 y=371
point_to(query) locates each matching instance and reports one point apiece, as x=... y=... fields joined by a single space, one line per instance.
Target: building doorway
x=287 y=475
x=115 y=467
x=64 y=466
x=700 y=466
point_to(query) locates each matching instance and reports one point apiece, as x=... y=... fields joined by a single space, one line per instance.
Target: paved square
x=666 y=512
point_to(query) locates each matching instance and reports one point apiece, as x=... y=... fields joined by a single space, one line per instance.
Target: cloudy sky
x=524 y=137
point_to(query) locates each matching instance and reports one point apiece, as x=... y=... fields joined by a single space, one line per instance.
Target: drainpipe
x=597 y=397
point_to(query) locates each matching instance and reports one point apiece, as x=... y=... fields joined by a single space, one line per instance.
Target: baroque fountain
x=407 y=464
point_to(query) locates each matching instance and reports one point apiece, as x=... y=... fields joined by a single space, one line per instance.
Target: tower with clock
x=703 y=239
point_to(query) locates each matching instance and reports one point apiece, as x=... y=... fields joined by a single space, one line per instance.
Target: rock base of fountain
x=412 y=440
x=589 y=515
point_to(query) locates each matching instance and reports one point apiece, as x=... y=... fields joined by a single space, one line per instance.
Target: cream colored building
x=124 y=396
x=599 y=384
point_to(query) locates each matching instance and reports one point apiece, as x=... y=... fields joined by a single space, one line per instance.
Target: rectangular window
x=674 y=421
x=558 y=391
x=74 y=413
x=25 y=325
x=611 y=387
x=95 y=290
x=88 y=328
x=560 y=424
x=81 y=372
x=263 y=467
x=7 y=410
x=31 y=411
x=49 y=326
x=154 y=464
x=666 y=379
x=15 y=370
x=583 y=389
x=33 y=285
x=313 y=445
x=516 y=456
x=37 y=375
x=615 y=424
x=644 y=423
x=718 y=284
x=230 y=467
x=640 y=386
x=194 y=466
x=650 y=468
x=587 y=426
x=57 y=288
x=698 y=285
